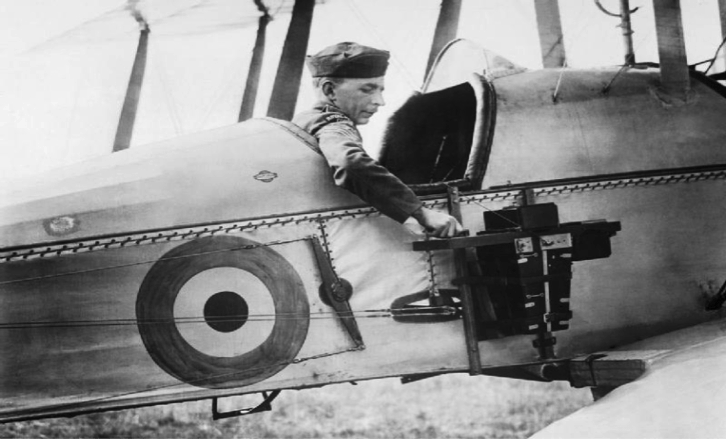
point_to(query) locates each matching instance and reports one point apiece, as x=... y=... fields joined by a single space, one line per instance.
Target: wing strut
x=125 y=128
x=550 y=32
x=672 y=52
x=253 y=74
x=290 y=69
x=446 y=30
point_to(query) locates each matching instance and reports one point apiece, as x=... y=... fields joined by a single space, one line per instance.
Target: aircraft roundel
x=222 y=312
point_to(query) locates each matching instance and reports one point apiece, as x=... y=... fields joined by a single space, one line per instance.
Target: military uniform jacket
x=353 y=169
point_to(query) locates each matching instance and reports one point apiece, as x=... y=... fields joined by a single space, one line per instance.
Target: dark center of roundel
x=225 y=311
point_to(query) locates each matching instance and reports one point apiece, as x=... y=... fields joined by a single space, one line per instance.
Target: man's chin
x=363 y=120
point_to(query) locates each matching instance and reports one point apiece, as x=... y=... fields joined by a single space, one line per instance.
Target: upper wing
x=681 y=394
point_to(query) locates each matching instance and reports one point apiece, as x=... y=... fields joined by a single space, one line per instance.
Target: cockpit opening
x=440 y=138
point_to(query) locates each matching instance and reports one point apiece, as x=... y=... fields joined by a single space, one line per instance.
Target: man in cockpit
x=349 y=81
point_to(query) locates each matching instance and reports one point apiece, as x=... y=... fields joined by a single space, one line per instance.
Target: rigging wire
x=583 y=21
x=151 y=389
x=73 y=113
x=181 y=11
x=560 y=78
x=494 y=212
x=606 y=88
x=240 y=318
x=277 y=10
x=230 y=78
x=133 y=264
x=166 y=92
x=378 y=313
x=716 y=55
x=365 y=21
x=122 y=8
x=76 y=28
x=585 y=18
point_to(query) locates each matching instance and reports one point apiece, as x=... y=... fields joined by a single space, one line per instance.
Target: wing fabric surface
x=682 y=394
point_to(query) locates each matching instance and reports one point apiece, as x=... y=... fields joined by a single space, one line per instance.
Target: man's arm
x=355 y=170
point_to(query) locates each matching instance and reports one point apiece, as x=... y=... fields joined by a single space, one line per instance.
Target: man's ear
x=329 y=90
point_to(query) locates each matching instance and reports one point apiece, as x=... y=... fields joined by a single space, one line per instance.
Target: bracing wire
x=133 y=264
x=56 y=38
x=181 y=11
x=496 y=213
x=367 y=23
x=716 y=55
x=607 y=87
x=378 y=313
x=560 y=79
x=243 y=319
x=229 y=78
x=166 y=92
x=277 y=10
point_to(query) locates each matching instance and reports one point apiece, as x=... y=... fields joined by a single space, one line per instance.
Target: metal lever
x=335 y=292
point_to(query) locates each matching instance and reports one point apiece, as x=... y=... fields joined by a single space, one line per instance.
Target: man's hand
x=437 y=224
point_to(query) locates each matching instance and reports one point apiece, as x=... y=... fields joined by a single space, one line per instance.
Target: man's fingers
x=445 y=231
x=451 y=228
x=441 y=225
x=432 y=231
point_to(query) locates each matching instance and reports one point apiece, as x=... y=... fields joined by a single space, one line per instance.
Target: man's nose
x=379 y=99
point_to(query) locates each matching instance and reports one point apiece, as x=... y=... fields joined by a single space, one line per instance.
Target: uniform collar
x=328 y=107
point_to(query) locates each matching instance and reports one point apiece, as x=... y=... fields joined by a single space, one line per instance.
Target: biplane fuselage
x=111 y=271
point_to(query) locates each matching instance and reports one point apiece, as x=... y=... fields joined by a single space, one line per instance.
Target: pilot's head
x=351 y=77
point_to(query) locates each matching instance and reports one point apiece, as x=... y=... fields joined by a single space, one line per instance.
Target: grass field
x=450 y=406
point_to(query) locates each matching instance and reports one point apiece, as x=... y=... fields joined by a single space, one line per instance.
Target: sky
x=64 y=65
